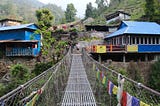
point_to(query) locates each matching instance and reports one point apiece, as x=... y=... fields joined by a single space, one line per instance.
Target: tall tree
x=157 y=11
x=45 y=20
x=89 y=10
x=70 y=13
x=149 y=9
x=152 y=10
x=101 y=4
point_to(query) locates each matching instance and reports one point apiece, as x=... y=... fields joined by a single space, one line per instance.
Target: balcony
x=141 y=48
x=20 y=52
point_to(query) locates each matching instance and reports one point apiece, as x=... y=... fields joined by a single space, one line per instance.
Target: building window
x=133 y=40
x=154 y=42
x=145 y=41
x=141 y=40
x=149 y=40
x=157 y=40
x=114 y=41
x=120 y=39
x=137 y=38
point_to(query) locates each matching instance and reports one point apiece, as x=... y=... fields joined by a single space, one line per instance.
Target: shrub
x=40 y=67
x=154 y=80
x=133 y=71
x=20 y=73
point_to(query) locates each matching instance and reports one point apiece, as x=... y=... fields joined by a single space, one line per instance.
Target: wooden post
x=156 y=57
x=99 y=58
x=124 y=58
x=146 y=57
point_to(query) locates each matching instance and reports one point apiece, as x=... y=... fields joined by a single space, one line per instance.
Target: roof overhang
x=18 y=41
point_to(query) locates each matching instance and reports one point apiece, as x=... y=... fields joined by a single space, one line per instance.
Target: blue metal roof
x=133 y=27
x=28 y=26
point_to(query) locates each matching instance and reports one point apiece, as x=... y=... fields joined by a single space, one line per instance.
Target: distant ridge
x=25 y=10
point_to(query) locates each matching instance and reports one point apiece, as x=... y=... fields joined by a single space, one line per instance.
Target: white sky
x=80 y=5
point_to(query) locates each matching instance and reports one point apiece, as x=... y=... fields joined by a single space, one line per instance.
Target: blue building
x=134 y=41
x=20 y=40
x=136 y=36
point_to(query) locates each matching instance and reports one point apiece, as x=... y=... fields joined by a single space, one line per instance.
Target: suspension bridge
x=79 y=80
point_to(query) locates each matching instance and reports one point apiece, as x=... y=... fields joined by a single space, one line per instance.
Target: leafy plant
x=133 y=72
x=40 y=67
x=20 y=72
x=70 y=13
x=154 y=80
x=45 y=19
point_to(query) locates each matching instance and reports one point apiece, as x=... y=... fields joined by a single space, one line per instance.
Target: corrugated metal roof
x=28 y=26
x=23 y=41
x=133 y=27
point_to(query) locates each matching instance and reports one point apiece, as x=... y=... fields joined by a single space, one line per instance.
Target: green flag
x=98 y=75
x=104 y=81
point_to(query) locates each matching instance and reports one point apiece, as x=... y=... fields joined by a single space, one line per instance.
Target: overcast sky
x=80 y=5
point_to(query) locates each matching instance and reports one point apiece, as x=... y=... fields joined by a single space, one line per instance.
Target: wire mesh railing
x=112 y=88
x=46 y=89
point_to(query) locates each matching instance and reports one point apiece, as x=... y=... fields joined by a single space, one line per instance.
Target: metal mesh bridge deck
x=78 y=91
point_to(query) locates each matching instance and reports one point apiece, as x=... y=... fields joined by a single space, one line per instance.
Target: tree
x=149 y=9
x=89 y=10
x=45 y=20
x=101 y=4
x=70 y=13
x=152 y=10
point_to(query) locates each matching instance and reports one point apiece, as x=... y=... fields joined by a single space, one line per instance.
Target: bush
x=154 y=80
x=133 y=72
x=40 y=67
x=20 y=73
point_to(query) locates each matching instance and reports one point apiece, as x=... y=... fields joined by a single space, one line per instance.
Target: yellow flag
x=33 y=101
x=143 y=104
x=104 y=80
x=115 y=89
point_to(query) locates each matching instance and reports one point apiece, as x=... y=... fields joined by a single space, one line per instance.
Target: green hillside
x=134 y=7
x=25 y=9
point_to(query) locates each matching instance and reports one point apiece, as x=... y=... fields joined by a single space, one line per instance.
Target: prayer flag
x=124 y=99
x=101 y=75
x=129 y=100
x=104 y=81
x=135 y=101
x=98 y=75
x=115 y=90
x=110 y=87
x=143 y=104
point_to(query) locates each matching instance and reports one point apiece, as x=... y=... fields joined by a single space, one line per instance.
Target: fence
x=112 y=88
x=44 y=90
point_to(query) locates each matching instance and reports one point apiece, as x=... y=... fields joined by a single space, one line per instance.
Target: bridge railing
x=45 y=89
x=108 y=90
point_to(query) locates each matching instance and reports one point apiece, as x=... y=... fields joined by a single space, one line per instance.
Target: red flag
x=124 y=99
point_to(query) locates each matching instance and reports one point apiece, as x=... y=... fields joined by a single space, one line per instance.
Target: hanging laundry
x=110 y=87
x=143 y=104
x=129 y=100
x=135 y=101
